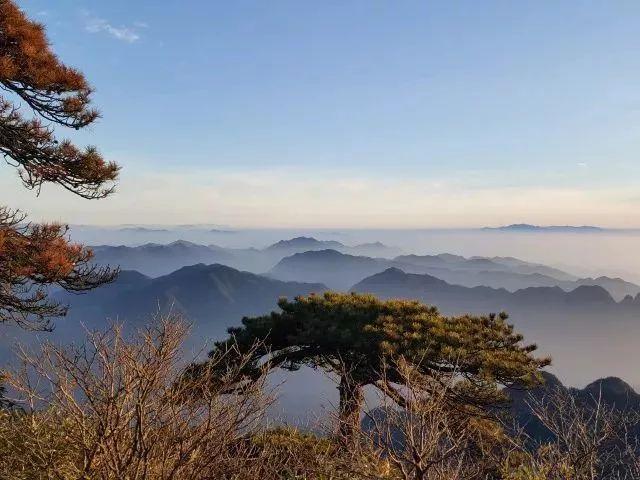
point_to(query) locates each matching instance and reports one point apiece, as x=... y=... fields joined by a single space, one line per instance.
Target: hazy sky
x=355 y=113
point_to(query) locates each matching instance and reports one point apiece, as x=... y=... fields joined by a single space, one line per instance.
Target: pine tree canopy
x=366 y=341
x=33 y=257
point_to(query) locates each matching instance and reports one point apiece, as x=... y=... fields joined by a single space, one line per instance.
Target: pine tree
x=35 y=257
x=366 y=341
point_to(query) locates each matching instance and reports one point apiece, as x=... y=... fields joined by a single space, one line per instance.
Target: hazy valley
x=588 y=325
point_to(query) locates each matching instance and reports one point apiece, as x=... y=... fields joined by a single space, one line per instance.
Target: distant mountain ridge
x=160 y=259
x=294 y=259
x=484 y=264
x=525 y=227
x=204 y=293
x=157 y=259
x=395 y=283
x=335 y=269
x=305 y=243
x=340 y=271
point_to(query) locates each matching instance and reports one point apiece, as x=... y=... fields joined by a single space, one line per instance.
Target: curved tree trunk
x=351 y=401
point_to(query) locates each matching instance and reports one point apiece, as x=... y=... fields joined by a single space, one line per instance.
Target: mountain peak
x=183 y=243
x=590 y=294
x=304 y=242
x=390 y=272
x=394 y=274
x=613 y=390
x=325 y=253
x=376 y=244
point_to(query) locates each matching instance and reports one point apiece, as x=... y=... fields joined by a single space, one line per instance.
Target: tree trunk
x=351 y=400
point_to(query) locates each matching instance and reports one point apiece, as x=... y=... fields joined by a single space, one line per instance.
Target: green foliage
x=358 y=337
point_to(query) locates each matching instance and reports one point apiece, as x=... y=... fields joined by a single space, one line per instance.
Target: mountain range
x=588 y=325
x=160 y=259
x=586 y=331
x=394 y=283
x=340 y=271
x=340 y=266
x=210 y=297
x=213 y=297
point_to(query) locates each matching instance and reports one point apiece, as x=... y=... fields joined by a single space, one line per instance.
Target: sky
x=353 y=113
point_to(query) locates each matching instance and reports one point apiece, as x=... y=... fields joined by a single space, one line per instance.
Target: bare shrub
x=287 y=453
x=127 y=407
x=121 y=408
x=433 y=436
x=590 y=441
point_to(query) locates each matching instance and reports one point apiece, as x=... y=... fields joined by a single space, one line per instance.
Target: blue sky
x=355 y=113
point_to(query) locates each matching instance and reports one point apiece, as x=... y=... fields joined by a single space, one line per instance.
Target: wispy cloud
x=95 y=24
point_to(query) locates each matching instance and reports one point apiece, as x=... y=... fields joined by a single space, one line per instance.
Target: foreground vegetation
x=129 y=407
